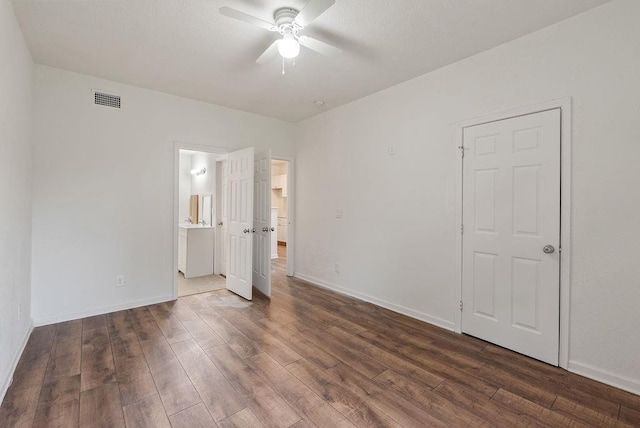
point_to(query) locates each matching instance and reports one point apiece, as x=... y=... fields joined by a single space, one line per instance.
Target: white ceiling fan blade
x=269 y=53
x=236 y=14
x=312 y=10
x=318 y=46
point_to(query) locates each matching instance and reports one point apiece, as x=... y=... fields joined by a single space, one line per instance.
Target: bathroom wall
x=184 y=186
x=205 y=183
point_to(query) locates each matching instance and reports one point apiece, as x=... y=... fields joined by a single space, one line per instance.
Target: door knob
x=253 y=230
x=246 y=230
x=548 y=249
x=273 y=228
x=220 y=224
x=265 y=229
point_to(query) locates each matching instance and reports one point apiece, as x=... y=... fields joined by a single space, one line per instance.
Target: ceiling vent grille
x=107 y=100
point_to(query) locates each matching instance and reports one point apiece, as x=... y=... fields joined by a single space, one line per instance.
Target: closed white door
x=511 y=234
x=239 y=276
x=262 y=222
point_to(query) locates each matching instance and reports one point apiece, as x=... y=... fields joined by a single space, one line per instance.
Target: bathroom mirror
x=206 y=204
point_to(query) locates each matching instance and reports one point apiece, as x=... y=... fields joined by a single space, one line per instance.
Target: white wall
x=396 y=242
x=15 y=193
x=103 y=188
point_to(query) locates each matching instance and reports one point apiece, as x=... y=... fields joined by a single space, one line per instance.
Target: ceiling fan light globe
x=289 y=47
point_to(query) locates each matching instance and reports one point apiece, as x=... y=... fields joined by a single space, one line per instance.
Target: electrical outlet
x=391 y=150
x=337 y=267
x=119 y=281
x=338 y=213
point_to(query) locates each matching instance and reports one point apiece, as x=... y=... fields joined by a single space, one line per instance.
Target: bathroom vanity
x=195 y=249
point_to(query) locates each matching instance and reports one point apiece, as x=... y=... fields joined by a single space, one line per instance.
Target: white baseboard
x=439 y=322
x=99 y=311
x=6 y=383
x=604 y=376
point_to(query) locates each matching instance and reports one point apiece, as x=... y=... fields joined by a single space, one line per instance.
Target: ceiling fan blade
x=318 y=46
x=269 y=53
x=236 y=14
x=312 y=10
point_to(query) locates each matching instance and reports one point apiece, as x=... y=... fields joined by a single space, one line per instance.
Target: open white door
x=262 y=223
x=240 y=176
x=224 y=217
x=511 y=218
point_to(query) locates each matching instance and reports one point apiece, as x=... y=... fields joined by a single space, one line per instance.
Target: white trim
x=613 y=379
x=438 y=322
x=100 y=311
x=564 y=104
x=291 y=194
x=217 y=253
x=14 y=364
x=177 y=146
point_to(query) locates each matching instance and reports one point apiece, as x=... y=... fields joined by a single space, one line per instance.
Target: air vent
x=107 y=100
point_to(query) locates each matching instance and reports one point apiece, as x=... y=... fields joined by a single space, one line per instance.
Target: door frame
x=177 y=146
x=564 y=104
x=290 y=211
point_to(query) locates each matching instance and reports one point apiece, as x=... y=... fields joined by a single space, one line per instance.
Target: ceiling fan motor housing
x=284 y=20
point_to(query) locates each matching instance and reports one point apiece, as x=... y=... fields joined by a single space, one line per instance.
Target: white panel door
x=240 y=176
x=262 y=222
x=511 y=212
x=224 y=217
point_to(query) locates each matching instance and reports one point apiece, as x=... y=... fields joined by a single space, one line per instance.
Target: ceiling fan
x=288 y=23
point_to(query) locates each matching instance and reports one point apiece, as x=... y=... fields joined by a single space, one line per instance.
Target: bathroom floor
x=202 y=284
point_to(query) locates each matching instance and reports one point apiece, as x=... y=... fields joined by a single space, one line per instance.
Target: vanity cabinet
x=195 y=250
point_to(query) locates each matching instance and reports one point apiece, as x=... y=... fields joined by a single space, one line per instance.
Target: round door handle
x=246 y=230
x=548 y=249
x=220 y=224
x=253 y=230
x=265 y=229
x=273 y=228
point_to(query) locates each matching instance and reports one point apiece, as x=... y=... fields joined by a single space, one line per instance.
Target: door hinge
x=462 y=229
x=461 y=305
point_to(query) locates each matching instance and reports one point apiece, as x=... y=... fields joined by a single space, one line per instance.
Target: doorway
x=283 y=193
x=279 y=215
x=197 y=212
x=513 y=254
x=239 y=229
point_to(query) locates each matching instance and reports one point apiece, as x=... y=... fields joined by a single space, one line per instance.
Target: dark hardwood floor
x=307 y=357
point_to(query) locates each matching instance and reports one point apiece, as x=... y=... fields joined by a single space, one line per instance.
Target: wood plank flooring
x=307 y=357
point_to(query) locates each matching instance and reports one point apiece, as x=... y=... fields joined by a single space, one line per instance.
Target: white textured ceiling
x=184 y=47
